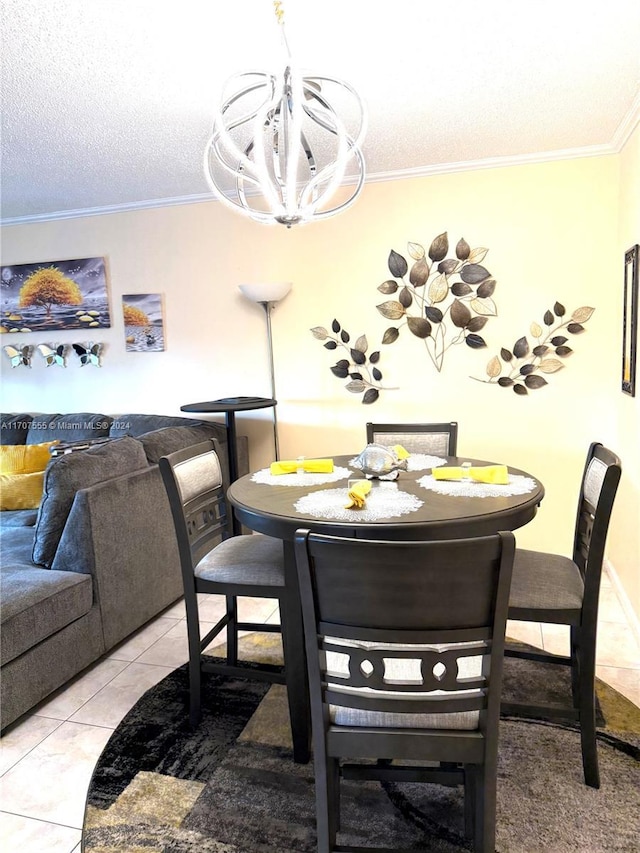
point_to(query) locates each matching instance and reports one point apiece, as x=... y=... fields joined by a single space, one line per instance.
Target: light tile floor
x=47 y=758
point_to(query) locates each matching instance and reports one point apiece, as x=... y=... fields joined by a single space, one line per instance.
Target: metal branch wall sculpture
x=360 y=369
x=445 y=302
x=522 y=365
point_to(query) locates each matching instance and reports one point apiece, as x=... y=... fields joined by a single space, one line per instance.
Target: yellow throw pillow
x=21 y=491
x=25 y=458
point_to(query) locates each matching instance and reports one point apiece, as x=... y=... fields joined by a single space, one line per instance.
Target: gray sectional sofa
x=98 y=559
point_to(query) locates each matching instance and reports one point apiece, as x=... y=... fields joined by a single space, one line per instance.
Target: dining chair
x=214 y=562
x=440 y=439
x=551 y=588
x=404 y=644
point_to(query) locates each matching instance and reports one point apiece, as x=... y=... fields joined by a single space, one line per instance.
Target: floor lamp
x=267 y=294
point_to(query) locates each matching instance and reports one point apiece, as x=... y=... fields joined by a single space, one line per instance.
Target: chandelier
x=279 y=149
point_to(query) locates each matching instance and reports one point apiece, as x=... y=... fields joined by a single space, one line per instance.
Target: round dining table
x=267 y=504
x=270 y=507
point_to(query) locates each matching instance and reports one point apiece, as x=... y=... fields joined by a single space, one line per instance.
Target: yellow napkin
x=496 y=474
x=400 y=452
x=311 y=466
x=357 y=494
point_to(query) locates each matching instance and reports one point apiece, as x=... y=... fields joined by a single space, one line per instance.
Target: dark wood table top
x=229 y=404
x=270 y=509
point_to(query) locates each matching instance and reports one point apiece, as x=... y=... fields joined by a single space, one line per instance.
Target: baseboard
x=623 y=598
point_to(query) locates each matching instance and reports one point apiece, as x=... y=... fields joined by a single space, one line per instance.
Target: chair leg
x=195 y=673
x=587 y=709
x=295 y=664
x=333 y=777
x=484 y=839
x=232 y=630
x=470 y=782
x=575 y=665
x=327 y=782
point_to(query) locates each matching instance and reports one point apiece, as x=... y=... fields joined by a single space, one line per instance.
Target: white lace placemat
x=422 y=461
x=383 y=501
x=415 y=462
x=517 y=485
x=305 y=479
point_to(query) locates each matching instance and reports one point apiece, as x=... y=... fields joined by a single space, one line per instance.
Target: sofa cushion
x=136 y=425
x=66 y=475
x=14 y=428
x=72 y=427
x=35 y=602
x=18 y=518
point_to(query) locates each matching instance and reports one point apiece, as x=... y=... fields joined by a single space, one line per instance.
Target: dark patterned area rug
x=231 y=785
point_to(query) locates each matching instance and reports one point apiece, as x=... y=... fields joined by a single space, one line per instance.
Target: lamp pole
x=268 y=307
x=267 y=294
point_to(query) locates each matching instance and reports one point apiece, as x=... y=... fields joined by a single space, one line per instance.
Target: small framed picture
x=630 y=320
x=143 y=322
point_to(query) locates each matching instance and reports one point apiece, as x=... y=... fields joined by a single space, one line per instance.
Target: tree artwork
x=47 y=287
x=134 y=316
x=444 y=302
x=519 y=368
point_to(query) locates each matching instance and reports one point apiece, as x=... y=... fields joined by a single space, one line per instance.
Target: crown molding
x=107 y=209
x=493 y=163
x=620 y=138
x=627 y=125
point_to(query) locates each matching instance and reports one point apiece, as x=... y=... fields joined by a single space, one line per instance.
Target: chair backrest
x=439 y=439
x=408 y=628
x=193 y=480
x=600 y=480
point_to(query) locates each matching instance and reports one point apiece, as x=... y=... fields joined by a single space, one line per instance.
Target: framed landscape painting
x=143 y=322
x=54 y=295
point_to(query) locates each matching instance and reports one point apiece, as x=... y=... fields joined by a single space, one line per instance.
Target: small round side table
x=230 y=405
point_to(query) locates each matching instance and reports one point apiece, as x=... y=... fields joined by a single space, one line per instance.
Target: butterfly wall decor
x=19 y=354
x=53 y=355
x=89 y=354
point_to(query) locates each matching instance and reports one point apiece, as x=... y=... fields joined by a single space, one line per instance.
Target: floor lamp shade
x=267 y=291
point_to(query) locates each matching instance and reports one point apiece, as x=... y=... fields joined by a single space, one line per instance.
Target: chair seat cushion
x=252 y=559
x=545 y=583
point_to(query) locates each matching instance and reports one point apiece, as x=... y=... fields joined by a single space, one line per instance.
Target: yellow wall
x=555 y=232
x=624 y=538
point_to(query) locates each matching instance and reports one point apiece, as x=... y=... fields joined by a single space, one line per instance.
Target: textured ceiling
x=107 y=104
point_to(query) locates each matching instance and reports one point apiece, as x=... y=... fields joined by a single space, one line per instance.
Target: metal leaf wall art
x=444 y=302
x=359 y=368
x=519 y=368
